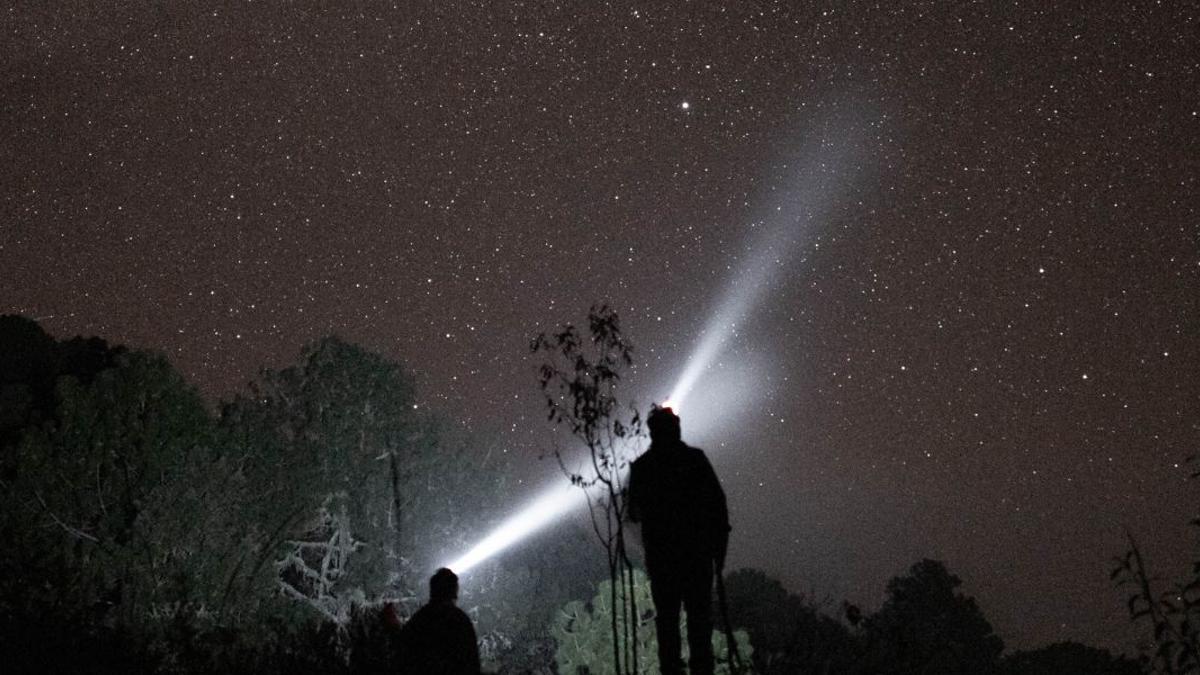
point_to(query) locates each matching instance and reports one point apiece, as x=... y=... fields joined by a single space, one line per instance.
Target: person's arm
x=718 y=510
x=470 y=647
x=407 y=644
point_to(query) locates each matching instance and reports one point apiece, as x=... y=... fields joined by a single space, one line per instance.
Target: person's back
x=680 y=505
x=439 y=639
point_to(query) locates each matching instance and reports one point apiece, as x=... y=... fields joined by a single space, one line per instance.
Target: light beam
x=817 y=183
x=554 y=503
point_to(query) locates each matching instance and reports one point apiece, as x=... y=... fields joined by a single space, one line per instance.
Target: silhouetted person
x=675 y=495
x=439 y=639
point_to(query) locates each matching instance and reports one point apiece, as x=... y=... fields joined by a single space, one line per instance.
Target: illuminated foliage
x=332 y=440
x=127 y=504
x=584 y=639
x=366 y=493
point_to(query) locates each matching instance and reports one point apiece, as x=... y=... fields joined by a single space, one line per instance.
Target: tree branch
x=74 y=531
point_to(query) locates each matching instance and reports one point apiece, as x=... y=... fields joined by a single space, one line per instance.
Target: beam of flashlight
x=817 y=184
x=541 y=512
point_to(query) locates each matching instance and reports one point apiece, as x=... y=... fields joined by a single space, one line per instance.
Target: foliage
x=332 y=439
x=368 y=492
x=28 y=367
x=1067 y=658
x=1173 y=616
x=130 y=510
x=106 y=498
x=31 y=364
x=583 y=635
x=579 y=378
x=927 y=626
x=788 y=633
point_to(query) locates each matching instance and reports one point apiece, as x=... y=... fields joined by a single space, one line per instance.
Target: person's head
x=443 y=585
x=664 y=425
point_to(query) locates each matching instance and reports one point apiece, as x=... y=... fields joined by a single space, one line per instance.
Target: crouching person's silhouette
x=439 y=639
x=676 y=497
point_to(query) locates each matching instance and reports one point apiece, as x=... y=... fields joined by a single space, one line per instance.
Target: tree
x=1067 y=658
x=579 y=378
x=583 y=634
x=789 y=635
x=332 y=440
x=27 y=372
x=1173 y=616
x=366 y=493
x=30 y=365
x=927 y=626
x=105 y=497
x=128 y=509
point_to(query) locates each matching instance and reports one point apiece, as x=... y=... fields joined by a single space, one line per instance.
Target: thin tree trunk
x=395 y=467
x=612 y=587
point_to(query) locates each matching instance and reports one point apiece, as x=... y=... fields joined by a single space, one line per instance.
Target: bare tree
x=580 y=378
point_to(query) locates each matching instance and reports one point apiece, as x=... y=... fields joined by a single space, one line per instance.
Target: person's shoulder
x=461 y=619
x=697 y=459
x=647 y=460
x=416 y=623
x=447 y=611
x=422 y=611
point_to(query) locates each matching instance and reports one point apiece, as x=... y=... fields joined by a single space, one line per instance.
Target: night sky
x=977 y=341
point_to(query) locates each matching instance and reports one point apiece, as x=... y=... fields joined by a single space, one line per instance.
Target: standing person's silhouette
x=675 y=495
x=439 y=639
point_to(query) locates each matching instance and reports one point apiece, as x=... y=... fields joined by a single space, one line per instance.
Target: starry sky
x=980 y=347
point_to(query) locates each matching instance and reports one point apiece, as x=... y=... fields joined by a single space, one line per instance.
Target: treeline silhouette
x=146 y=530
x=925 y=625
